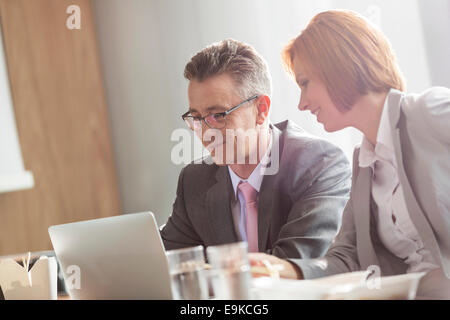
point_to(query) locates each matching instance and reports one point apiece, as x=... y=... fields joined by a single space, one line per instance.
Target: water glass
x=187 y=272
x=230 y=273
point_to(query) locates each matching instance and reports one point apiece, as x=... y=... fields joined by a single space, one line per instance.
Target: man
x=274 y=186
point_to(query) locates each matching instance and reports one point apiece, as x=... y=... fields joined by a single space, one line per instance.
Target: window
x=13 y=176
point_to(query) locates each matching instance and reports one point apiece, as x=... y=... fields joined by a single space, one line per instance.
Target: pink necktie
x=251 y=207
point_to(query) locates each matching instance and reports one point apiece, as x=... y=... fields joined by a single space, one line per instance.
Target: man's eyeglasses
x=214 y=120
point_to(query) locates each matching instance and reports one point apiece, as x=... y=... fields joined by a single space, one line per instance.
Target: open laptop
x=120 y=257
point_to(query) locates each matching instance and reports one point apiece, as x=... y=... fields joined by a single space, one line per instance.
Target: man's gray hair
x=247 y=68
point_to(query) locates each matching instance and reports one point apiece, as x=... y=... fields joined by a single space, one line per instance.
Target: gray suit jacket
x=299 y=208
x=420 y=126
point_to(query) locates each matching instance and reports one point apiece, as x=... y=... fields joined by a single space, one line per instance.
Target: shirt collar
x=385 y=147
x=383 y=150
x=257 y=175
x=366 y=153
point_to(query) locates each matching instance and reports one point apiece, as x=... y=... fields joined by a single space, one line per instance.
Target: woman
x=398 y=215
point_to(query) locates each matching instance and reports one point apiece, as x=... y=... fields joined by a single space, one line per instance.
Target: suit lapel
x=219 y=209
x=362 y=214
x=265 y=211
x=266 y=192
x=415 y=211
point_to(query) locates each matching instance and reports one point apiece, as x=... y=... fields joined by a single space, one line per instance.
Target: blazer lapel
x=416 y=213
x=266 y=192
x=219 y=209
x=362 y=213
x=265 y=211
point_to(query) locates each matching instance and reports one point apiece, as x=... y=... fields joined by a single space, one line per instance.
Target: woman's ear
x=263 y=105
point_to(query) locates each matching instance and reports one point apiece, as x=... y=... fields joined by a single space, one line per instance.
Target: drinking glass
x=187 y=273
x=230 y=273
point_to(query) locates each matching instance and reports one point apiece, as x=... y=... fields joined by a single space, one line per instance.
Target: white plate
x=266 y=288
x=402 y=287
x=348 y=286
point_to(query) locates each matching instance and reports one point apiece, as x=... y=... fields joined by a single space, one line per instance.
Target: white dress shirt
x=395 y=227
x=237 y=202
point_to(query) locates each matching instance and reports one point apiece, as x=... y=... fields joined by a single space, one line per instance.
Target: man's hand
x=288 y=270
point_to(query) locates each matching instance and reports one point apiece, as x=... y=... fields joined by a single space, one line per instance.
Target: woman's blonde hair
x=349 y=54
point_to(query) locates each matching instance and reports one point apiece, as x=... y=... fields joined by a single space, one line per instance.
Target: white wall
x=436 y=22
x=145 y=44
